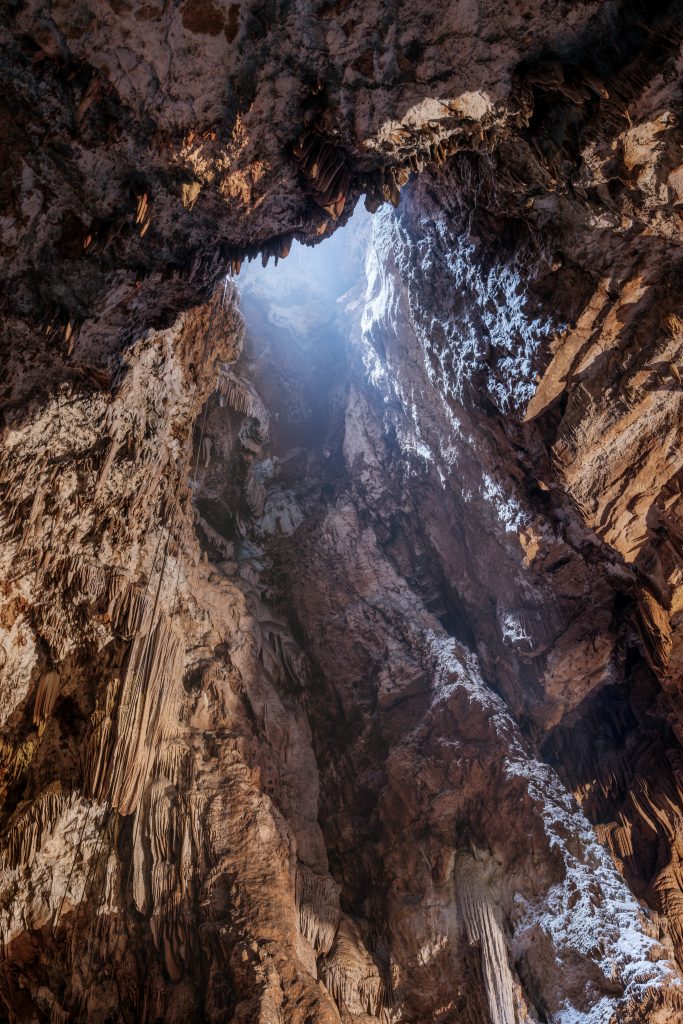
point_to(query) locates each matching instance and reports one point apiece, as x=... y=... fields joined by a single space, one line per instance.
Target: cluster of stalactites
x=30 y=824
x=241 y=396
x=137 y=710
x=168 y=839
x=325 y=169
x=317 y=900
x=351 y=975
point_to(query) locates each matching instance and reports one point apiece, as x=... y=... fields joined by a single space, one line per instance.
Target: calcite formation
x=340 y=658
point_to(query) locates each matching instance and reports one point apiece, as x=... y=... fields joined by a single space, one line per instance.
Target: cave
x=341 y=559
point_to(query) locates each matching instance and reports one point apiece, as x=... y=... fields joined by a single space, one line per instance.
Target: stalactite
x=242 y=397
x=482 y=923
x=159 y=828
x=255 y=496
x=101 y=731
x=108 y=902
x=164 y=880
x=84 y=583
x=317 y=899
x=251 y=436
x=46 y=697
x=609 y=771
x=167 y=835
x=30 y=825
x=134 y=721
x=654 y=628
x=140 y=894
x=350 y=974
x=656 y=810
x=324 y=166
x=15 y=760
x=169 y=936
x=215 y=538
x=669 y=888
x=58 y=1015
x=175 y=762
x=618 y=838
x=196 y=802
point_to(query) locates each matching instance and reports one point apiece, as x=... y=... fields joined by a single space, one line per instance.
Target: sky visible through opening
x=302 y=290
x=300 y=316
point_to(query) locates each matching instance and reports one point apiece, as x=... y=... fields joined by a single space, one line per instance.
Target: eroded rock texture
x=341 y=661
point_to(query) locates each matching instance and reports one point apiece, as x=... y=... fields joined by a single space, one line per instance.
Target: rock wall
x=340 y=675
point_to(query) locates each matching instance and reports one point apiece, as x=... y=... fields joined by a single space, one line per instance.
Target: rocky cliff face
x=340 y=659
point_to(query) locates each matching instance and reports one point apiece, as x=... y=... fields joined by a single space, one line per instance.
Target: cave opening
x=299 y=314
x=309 y=343
x=302 y=316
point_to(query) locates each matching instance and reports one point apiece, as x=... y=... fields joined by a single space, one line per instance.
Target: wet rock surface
x=340 y=659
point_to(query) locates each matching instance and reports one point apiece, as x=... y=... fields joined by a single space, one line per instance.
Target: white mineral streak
x=390 y=309
x=591 y=913
x=513 y=629
x=491 y=316
x=507 y=507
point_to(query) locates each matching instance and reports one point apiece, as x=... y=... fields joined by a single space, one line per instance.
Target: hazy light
x=311 y=279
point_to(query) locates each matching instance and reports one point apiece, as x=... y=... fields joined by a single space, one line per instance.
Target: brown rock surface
x=340 y=675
